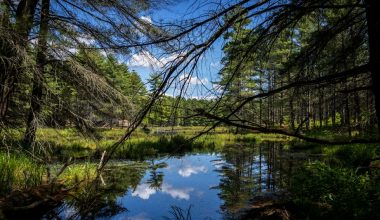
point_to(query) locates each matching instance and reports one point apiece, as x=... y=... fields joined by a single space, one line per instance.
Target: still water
x=188 y=182
x=214 y=185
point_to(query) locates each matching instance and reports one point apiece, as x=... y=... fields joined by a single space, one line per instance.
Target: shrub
x=334 y=192
x=355 y=155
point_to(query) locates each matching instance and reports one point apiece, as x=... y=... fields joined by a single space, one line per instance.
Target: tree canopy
x=287 y=66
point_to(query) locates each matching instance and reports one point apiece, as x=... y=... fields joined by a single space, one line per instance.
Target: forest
x=201 y=109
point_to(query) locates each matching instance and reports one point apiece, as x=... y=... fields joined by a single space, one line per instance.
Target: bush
x=331 y=192
x=356 y=155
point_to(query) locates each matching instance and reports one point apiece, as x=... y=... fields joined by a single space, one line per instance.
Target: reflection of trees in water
x=247 y=171
x=236 y=180
x=252 y=170
x=100 y=199
x=156 y=177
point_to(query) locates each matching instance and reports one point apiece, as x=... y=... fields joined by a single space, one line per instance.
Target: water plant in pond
x=177 y=213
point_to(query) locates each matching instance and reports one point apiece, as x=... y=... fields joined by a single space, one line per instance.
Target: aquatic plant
x=177 y=213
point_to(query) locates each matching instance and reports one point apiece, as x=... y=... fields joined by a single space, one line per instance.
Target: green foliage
x=175 y=111
x=355 y=155
x=143 y=149
x=324 y=191
x=18 y=171
x=75 y=173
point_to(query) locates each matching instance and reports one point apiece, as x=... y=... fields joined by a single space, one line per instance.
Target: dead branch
x=284 y=132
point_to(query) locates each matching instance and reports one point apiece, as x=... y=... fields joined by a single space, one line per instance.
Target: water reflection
x=156 y=176
x=100 y=200
x=236 y=182
x=190 y=170
x=144 y=191
x=186 y=182
x=248 y=172
x=215 y=185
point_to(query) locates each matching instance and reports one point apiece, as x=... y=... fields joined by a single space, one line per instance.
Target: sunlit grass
x=18 y=171
x=69 y=142
x=77 y=173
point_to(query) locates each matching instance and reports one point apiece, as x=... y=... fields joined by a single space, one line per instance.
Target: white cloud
x=86 y=40
x=170 y=58
x=143 y=59
x=180 y=193
x=147 y=60
x=147 y=19
x=194 y=80
x=215 y=64
x=189 y=170
x=144 y=191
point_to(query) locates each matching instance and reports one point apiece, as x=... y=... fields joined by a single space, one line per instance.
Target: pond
x=212 y=185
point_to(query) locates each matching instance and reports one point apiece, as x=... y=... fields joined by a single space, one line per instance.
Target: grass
x=339 y=133
x=77 y=173
x=331 y=181
x=322 y=191
x=343 y=184
x=352 y=156
x=177 y=213
x=64 y=143
x=18 y=172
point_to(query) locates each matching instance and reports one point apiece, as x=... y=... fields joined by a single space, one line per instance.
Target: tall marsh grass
x=18 y=172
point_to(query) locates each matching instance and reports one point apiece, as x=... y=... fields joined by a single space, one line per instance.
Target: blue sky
x=200 y=84
x=208 y=69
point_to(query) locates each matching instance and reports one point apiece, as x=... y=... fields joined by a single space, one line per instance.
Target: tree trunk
x=327 y=108
x=291 y=107
x=24 y=23
x=292 y=115
x=308 y=109
x=333 y=110
x=5 y=21
x=314 y=116
x=373 y=22
x=358 y=118
x=320 y=108
x=347 y=114
x=37 y=91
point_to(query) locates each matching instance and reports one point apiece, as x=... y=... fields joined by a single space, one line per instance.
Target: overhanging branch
x=283 y=132
x=318 y=81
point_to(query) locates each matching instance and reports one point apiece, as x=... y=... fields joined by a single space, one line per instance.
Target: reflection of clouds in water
x=218 y=164
x=183 y=193
x=200 y=193
x=189 y=170
x=144 y=191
